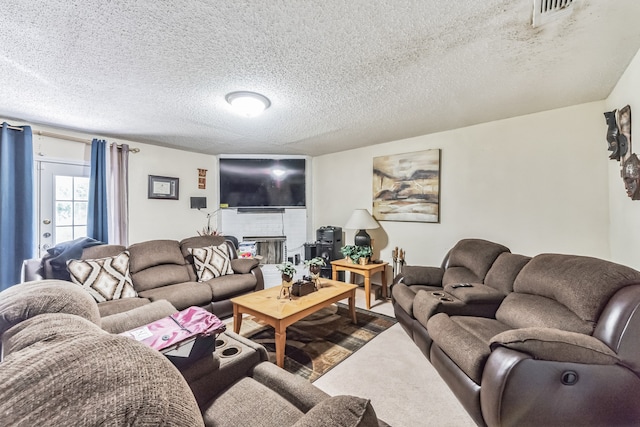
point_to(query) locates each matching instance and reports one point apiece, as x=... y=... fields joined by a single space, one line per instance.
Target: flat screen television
x=262 y=183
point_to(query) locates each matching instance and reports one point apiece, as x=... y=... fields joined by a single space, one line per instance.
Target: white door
x=63 y=199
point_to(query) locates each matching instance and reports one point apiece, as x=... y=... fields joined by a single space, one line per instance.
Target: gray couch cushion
x=475 y=255
x=228 y=286
x=419 y=275
x=582 y=284
x=155 y=252
x=27 y=300
x=250 y=403
x=465 y=340
x=199 y=242
x=160 y=275
x=181 y=295
x=56 y=373
x=504 y=270
x=523 y=311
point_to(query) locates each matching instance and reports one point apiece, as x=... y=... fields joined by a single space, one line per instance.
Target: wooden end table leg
x=281 y=342
x=334 y=272
x=367 y=289
x=383 y=276
x=237 y=319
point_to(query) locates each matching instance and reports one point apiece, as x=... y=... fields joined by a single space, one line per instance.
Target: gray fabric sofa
x=559 y=346
x=59 y=367
x=164 y=270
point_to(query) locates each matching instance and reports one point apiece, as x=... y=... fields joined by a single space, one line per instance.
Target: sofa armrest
x=295 y=389
x=556 y=345
x=244 y=265
x=418 y=275
x=340 y=411
x=30 y=268
x=474 y=293
x=518 y=390
x=139 y=316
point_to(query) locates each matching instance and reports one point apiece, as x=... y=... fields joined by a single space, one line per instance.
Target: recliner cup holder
x=230 y=351
x=437 y=294
x=446 y=299
x=220 y=342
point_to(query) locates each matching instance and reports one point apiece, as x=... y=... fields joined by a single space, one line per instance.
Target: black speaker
x=198 y=203
x=324 y=250
x=332 y=236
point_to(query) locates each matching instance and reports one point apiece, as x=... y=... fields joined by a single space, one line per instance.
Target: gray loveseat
x=164 y=270
x=542 y=341
x=59 y=367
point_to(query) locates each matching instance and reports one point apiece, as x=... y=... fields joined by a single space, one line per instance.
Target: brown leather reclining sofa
x=543 y=341
x=164 y=270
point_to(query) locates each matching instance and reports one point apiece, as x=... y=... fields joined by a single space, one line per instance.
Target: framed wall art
x=163 y=187
x=406 y=187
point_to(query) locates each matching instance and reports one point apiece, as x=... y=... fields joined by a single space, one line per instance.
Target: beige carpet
x=405 y=390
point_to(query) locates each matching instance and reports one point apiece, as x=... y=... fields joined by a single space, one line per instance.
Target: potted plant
x=348 y=251
x=315 y=264
x=363 y=254
x=287 y=269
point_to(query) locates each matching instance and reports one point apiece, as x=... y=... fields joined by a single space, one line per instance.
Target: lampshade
x=248 y=104
x=361 y=219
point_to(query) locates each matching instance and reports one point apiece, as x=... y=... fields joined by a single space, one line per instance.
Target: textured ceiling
x=340 y=74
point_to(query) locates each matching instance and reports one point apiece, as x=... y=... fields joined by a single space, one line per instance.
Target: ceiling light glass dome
x=249 y=104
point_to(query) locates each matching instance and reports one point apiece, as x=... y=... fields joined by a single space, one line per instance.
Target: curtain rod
x=75 y=139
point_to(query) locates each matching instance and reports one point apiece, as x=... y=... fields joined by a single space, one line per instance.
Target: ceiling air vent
x=549 y=10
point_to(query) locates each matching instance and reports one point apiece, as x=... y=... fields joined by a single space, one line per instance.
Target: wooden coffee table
x=280 y=313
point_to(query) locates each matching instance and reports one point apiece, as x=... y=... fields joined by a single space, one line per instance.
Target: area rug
x=321 y=340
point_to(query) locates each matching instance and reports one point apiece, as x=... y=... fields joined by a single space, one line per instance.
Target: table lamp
x=361 y=220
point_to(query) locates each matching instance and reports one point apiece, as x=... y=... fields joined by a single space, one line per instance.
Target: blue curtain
x=17 y=214
x=97 y=218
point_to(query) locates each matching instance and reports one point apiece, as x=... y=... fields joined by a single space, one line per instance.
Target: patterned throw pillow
x=105 y=279
x=211 y=262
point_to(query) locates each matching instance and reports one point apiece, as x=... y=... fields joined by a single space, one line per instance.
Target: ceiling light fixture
x=249 y=104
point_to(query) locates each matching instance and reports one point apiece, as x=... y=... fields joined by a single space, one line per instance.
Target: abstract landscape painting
x=406 y=187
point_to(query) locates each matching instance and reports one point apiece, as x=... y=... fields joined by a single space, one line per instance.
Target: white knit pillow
x=105 y=279
x=211 y=262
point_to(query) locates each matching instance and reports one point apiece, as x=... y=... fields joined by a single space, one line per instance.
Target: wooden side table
x=364 y=270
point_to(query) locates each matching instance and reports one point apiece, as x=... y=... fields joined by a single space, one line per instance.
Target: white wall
x=148 y=218
x=624 y=212
x=169 y=219
x=535 y=183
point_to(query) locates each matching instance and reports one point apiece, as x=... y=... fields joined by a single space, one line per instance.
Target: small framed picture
x=163 y=187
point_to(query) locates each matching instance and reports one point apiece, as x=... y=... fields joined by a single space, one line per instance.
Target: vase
x=349 y=260
x=363 y=261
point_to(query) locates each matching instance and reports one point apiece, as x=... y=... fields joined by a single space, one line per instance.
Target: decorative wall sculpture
x=406 y=187
x=619 y=140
